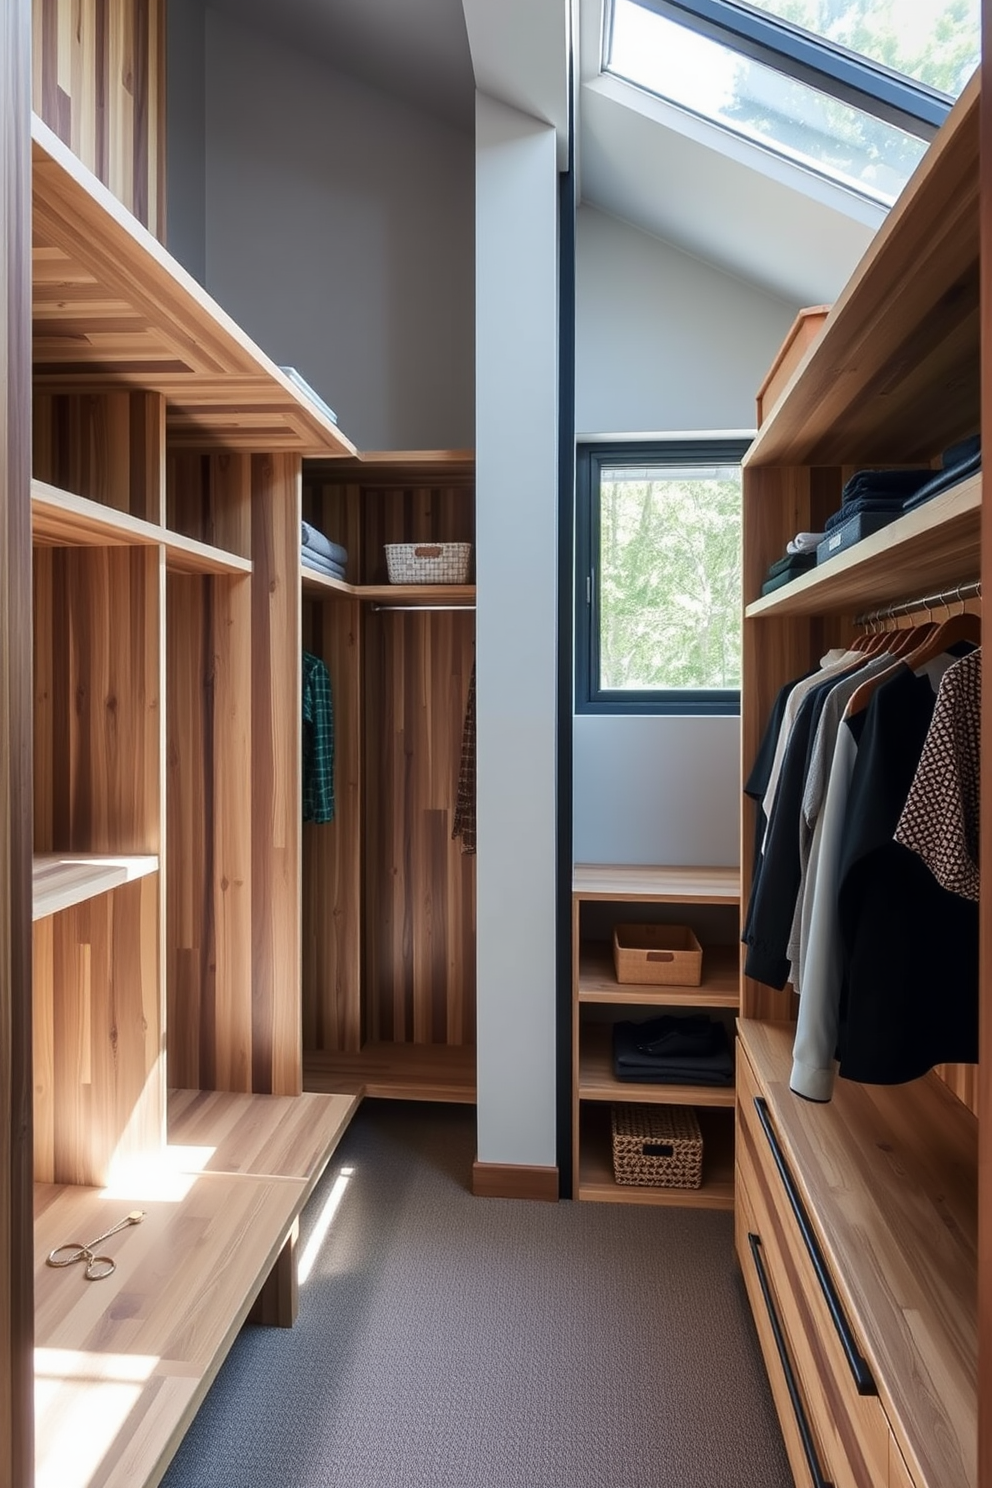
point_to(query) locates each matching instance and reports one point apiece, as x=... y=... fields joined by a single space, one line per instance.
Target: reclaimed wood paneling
x=98 y=72
x=106 y=446
x=16 y=1234
x=419 y=886
x=413 y=514
x=332 y=851
x=208 y=497
x=276 y=797
x=209 y=832
x=98 y=1026
x=98 y=702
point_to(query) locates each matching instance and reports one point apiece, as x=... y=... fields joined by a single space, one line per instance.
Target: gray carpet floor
x=446 y=1341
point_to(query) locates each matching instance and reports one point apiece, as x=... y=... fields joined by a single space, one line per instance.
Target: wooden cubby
x=887 y=1178
x=706 y=899
x=388 y=895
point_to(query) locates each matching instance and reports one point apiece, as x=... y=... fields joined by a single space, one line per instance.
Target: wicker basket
x=428 y=563
x=659 y=954
x=660 y=1146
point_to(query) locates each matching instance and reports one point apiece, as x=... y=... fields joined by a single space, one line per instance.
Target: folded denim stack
x=871 y=499
x=322 y=555
x=671 y=1050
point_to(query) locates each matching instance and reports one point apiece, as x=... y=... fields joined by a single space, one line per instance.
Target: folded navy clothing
x=314 y=560
x=885 y=482
x=779 y=580
x=318 y=543
x=970 y=464
x=687 y=1051
x=893 y=504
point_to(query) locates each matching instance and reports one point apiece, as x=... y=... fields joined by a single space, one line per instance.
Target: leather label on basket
x=433 y=552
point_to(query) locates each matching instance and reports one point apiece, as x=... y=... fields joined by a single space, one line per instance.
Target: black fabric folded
x=792 y=563
x=885 y=483
x=787 y=575
x=673 y=1051
x=891 y=504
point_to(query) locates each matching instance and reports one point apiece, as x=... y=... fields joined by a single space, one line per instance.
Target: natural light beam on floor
x=320 y=1229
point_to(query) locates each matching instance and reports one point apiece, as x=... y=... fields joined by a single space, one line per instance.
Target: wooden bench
x=123 y=1364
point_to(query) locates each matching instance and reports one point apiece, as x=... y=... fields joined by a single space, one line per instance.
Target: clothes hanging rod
x=379 y=608
x=943 y=598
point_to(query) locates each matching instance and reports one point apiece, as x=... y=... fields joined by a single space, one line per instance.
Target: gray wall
x=664 y=344
x=185 y=116
x=339 y=234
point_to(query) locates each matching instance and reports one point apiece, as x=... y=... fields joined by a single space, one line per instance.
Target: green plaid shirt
x=318 y=741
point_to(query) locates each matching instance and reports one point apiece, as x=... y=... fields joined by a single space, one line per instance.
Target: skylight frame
x=859 y=81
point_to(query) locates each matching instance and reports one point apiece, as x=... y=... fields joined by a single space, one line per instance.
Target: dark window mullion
x=832 y=69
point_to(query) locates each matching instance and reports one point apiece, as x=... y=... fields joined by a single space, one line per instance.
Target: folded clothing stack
x=321 y=554
x=882 y=492
x=956 y=463
x=785 y=569
x=673 y=1050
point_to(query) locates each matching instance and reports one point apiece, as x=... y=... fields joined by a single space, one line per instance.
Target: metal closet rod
x=378 y=608
x=972 y=590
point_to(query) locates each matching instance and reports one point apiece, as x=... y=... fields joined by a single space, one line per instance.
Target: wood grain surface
x=209 y=878
x=112 y=308
x=894 y=373
x=16 y=1292
x=888 y=1176
x=99 y=69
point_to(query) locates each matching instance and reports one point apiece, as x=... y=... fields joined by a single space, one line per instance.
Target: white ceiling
x=727 y=202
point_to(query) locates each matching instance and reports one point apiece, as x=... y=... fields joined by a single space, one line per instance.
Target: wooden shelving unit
x=607 y=894
x=888 y=1176
x=60 y=881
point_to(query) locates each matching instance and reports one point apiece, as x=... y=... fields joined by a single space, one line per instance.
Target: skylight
x=854 y=119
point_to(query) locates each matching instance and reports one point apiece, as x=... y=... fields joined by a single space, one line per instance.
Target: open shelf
x=63 y=520
x=61 y=880
x=111 y=307
x=720 y=985
x=674 y=885
x=894 y=374
x=918 y=553
x=597 y=1082
x=596 y=1180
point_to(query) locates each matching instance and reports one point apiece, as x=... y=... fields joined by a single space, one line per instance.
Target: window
x=658 y=582
x=850 y=89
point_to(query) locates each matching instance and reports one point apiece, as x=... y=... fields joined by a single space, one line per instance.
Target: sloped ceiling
x=727 y=202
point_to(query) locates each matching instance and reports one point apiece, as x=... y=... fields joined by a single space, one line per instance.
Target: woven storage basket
x=428 y=563
x=660 y=1146
x=660 y=954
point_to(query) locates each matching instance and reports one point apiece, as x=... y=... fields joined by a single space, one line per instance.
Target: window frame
x=823 y=64
x=591 y=456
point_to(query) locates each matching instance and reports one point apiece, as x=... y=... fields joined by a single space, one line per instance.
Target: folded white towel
x=804 y=542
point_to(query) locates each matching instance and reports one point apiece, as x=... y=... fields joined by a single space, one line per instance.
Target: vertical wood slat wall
x=16 y=1210
x=388 y=895
x=98 y=82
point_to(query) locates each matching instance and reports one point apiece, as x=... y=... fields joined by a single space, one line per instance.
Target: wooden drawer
x=847 y=1435
x=899 y=1476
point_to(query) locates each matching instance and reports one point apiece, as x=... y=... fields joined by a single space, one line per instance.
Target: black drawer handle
x=856 y=1362
x=805 y=1434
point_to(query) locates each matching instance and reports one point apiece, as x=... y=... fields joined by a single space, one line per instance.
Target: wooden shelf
x=888 y=1175
x=111 y=307
x=323 y=586
x=134 y=1355
x=372 y=467
x=61 y=880
x=894 y=374
x=62 y=520
x=596 y=1180
x=433 y=1072
x=597 y=1082
x=917 y=554
x=720 y=986
x=663 y=884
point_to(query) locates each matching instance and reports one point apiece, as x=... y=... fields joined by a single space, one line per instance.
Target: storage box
x=428 y=563
x=863 y=524
x=662 y=954
x=802 y=333
x=657 y=1146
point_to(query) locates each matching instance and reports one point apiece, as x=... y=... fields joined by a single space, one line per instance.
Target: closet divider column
x=276 y=798
x=210 y=781
x=16 y=1210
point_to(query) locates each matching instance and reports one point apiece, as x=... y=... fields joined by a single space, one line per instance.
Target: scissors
x=97 y=1266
